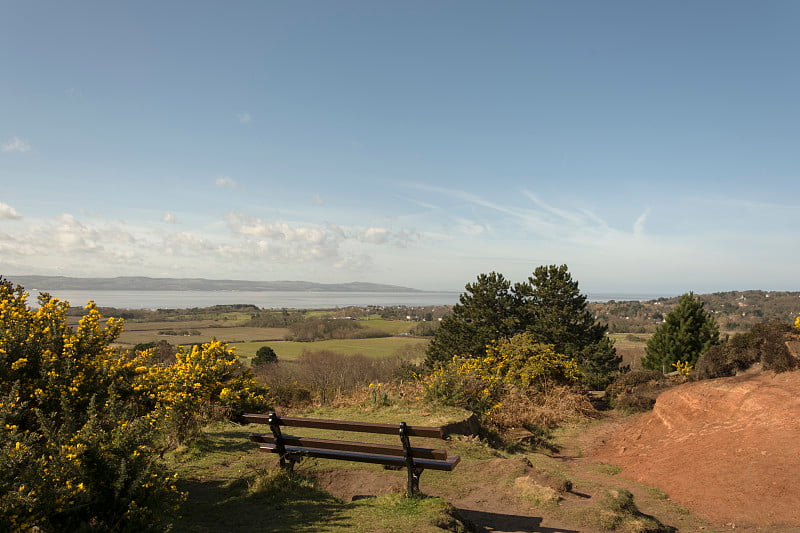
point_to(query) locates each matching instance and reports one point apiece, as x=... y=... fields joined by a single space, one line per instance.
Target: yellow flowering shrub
x=797 y=323
x=75 y=438
x=683 y=367
x=185 y=393
x=80 y=421
x=479 y=383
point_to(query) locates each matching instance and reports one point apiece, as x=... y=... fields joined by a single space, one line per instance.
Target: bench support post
x=414 y=472
x=286 y=462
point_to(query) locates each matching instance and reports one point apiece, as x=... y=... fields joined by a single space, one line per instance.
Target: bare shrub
x=545 y=409
x=764 y=343
x=284 y=388
x=326 y=375
x=637 y=390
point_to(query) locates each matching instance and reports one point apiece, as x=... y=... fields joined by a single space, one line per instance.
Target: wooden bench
x=291 y=449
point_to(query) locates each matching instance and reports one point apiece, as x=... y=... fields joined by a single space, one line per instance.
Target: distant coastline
x=141 y=283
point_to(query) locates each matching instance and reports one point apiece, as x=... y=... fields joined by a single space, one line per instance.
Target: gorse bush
x=75 y=441
x=201 y=383
x=79 y=420
x=479 y=383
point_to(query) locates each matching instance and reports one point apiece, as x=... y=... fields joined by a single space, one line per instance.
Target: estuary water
x=274 y=299
x=262 y=299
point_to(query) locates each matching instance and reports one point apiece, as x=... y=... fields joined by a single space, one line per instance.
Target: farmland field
x=392 y=327
x=630 y=347
x=380 y=347
x=191 y=332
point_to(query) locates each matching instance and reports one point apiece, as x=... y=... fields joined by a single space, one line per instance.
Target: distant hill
x=137 y=283
x=733 y=310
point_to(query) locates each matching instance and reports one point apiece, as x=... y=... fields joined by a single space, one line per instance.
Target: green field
x=288 y=350
x=392 y=327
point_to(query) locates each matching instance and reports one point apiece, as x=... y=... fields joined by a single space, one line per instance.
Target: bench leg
x=288 y=461
x=413 y=480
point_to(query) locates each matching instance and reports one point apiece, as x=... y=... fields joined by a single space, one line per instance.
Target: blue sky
x=651 y=146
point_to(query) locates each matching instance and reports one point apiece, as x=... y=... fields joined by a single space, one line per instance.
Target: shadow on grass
x=485 y=522
x=217 y=506
x=227 y=440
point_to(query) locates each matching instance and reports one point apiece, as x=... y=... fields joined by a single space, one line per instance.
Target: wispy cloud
x=244 y=117
x=15 y=144
x=8 y=212
x=638 y=226
x=169 y=218
x=317 y=199
x=226 y=181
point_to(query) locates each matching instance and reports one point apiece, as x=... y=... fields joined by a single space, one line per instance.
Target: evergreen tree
x=555 y=312
x=549 y=305
x=264 y=355
x=488 y=310
x=688 y=331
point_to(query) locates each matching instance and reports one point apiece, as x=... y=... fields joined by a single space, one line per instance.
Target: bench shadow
x=485 y=522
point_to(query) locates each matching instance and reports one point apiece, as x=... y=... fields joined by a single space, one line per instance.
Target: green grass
x=290 y=350
x=606 y=469
x=232 y=487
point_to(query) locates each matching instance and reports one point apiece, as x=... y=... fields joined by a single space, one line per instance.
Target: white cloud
x=254 y=227
x=8 y=212
x=317 y=199
x=225 y=181
x=15 y=144
x=73 y=236
x=169 y=218
x=375 y=235
x=244 y=118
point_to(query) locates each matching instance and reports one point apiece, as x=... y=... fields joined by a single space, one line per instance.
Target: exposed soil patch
x=727 y=449
x=349 y=485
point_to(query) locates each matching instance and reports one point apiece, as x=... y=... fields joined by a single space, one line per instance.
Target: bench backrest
x=344 y=425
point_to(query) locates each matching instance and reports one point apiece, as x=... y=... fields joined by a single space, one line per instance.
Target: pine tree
x=688 y=331
x=556 y=313
x=488 y=310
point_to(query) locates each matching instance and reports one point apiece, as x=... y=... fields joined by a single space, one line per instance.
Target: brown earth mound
x=728 y=449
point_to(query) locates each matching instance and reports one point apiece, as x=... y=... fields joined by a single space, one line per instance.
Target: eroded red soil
x=727 y=449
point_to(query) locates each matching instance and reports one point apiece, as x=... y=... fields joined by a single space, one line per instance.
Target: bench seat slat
x=432 y=464
x=345 y=446
x=344 y=425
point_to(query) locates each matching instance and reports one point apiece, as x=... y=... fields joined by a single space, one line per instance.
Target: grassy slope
x=232 y=486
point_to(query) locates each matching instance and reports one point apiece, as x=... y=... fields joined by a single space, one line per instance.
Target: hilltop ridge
x=135 y=283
